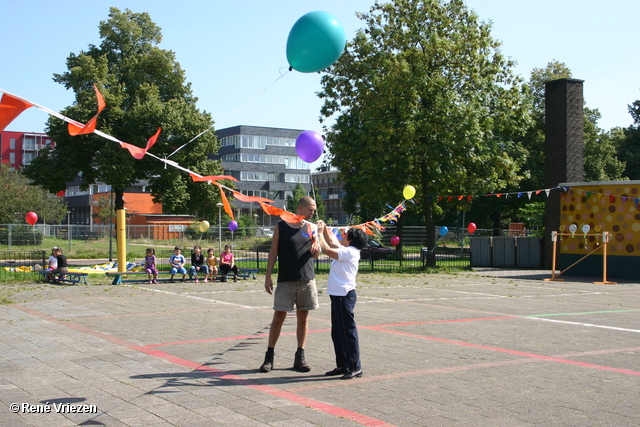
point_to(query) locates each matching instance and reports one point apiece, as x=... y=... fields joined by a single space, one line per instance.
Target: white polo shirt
x=342 y=276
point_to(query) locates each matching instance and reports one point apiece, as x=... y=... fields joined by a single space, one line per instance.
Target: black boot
x=267 y=365
x=299 y=363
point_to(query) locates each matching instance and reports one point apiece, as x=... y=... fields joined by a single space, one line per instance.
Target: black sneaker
x=351 y=375
x=337 y=371
x=267 y=365
x=299 y=363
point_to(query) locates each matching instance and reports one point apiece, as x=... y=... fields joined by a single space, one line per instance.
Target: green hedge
x=20 y=236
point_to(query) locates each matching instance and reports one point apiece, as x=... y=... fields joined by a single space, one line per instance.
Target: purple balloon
x=309 y=146
x=233 y=226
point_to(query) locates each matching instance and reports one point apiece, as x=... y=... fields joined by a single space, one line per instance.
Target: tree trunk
x=496 y=217
x=428 y=218
x=118 y=199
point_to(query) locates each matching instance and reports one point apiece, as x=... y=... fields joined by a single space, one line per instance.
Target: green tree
x=144 y=88
x=629 y=143
x=423 y=96
x=19 y=196
x=298 y=192
x=601 y=162
x=103 y=209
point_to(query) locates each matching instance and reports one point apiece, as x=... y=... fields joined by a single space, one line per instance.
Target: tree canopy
x=629 y=143
x=144 y=88
x=423 y=96
x=19 y=196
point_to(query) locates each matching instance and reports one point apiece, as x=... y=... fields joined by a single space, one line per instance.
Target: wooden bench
x=137 y=276
x=72 y=278
x=118 y=277
x=243 y=273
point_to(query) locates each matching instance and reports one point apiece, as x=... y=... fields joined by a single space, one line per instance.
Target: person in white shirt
x=341 y=288
x=53 y=263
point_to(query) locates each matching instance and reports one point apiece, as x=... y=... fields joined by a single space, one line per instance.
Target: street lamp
x=219 y=205
x=69 y=228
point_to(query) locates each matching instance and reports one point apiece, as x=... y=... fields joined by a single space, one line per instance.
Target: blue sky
x=234 y=51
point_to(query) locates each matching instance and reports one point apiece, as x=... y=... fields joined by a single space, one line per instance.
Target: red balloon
x=31 y=218
x=395 y=240
x=471 y=227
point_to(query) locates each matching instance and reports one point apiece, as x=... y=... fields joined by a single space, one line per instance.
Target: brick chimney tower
x=564 y=142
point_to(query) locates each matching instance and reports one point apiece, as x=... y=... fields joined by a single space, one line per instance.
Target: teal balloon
x=315 y=42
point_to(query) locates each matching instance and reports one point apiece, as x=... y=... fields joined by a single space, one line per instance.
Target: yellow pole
x=121 y=236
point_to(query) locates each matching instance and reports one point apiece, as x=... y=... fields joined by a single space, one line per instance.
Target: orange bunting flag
x=225 y=202
x=139 y=152
x=449 y=198
x=211 y=178
x=469 y=199
x=460 y=197
x=244 y=198
x=10 y=108
x=75 y=130
x=364 y=228
x=285 y=215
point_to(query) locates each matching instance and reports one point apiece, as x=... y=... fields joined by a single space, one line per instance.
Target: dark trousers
x=344 y=332
x=225 y=268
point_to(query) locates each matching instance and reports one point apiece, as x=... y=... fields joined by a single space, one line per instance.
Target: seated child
x=212 y=263
x=198 y=264
x=177 y=263
x=150 y=266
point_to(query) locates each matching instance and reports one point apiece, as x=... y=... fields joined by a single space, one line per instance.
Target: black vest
x=295 y=262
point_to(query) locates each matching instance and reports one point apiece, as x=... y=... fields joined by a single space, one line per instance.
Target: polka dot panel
x=615 y=208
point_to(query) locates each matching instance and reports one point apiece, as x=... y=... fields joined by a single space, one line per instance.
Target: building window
x=290 y=177
x=12 y=144
x=274 y=177
x=253 y=176
x=27 y=158
x=29 y=143
x=12 y=158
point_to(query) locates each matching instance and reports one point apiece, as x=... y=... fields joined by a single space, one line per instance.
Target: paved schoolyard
x=488 y=348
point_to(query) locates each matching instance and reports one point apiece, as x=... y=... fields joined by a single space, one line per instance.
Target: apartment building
x=18 y=149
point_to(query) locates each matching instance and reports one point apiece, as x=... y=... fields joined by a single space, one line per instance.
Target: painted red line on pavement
x=74 y=326
x=452 y=369
x=314 y=404
x=514 y=352
x=324 y=407
x=444 y=321
x=152 y=313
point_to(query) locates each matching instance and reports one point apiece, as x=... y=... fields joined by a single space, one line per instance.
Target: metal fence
x=21 y=264
x=22 y=235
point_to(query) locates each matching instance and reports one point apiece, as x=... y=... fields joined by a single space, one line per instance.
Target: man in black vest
x=294 y=246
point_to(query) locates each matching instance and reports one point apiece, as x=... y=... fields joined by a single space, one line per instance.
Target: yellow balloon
x=408 y=192
x=204 y=226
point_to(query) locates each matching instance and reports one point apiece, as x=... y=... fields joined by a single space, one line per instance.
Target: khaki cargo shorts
x=303 y=294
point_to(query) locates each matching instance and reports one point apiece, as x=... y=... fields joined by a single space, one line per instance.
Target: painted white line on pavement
x=583 y=324
x=190 y=296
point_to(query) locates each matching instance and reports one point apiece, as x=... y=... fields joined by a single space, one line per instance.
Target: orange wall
x=135 y=204
x=141 y=203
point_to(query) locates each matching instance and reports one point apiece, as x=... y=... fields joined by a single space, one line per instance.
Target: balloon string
x=228 y=114
x=254 y=96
